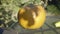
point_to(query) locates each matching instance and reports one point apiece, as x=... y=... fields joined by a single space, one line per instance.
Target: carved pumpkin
x=31 y=16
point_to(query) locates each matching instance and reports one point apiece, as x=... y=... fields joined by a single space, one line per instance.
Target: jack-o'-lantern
x=31 y=16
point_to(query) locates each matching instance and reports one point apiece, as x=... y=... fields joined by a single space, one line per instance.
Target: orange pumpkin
x=31 y=16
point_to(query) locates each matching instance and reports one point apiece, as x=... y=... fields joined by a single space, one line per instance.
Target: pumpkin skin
x=31 y=17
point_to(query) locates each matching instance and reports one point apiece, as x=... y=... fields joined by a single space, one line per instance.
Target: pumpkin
x=31 y=16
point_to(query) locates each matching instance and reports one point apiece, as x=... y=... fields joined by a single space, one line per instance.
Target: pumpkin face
x=31 y=16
